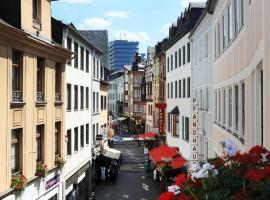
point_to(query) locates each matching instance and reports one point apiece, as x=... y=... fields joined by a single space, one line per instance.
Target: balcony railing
x=57 y=97
x=40 y=97
x=17 y=96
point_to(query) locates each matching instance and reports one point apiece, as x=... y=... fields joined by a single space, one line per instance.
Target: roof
x=99 y=38
x=163 y=151
x=174 y=111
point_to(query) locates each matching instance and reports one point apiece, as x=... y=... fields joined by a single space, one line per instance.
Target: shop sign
x=53 y=181
x=194 y=127
x=161 y=107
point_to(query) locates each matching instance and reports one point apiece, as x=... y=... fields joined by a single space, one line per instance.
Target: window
x=76 y=56
x=98 y=66
x=94 y=102
x=218 y=39
x=69 y=41
x=82 y=58
x=176 y=89
x=175 y=59
x=169 y=122
x=94 y=68
x=185 y=128
x=40 y=80
x=15 y=155
x=37 y=14
x=82 y=97
x=206 y=45
x=236 y=107
x=168 y=64
x=188 y=87
x=17 y=77
x=82 y=136
x=216 y=106
x=184 y=54
x=69 y=97
x=76 y=97
x=101 y=102
x=76 y=139
x=175 y=125
x=69 y=142
x=230 y=107
x=97 y=129
x=179 y=57
x=97 y=101
x=179 y=88
x=57 y=139
x=224 y=106
x=188 y=52
x=223 y=32
x=58 y=81
x=184 y=88
x=105 y=102
x=172 y=62
x=171 y=89
x=168 y=90
x=94 y=132
x=87 y=97
x=87 y=134
x=39 y=143
x=219 y=106
x=87 y=60
x=243 y=108
x=229 y=23
x=236 y=25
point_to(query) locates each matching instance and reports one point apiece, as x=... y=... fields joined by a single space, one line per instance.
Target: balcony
x=40 y=97
x=57 y=97
x=17 y=96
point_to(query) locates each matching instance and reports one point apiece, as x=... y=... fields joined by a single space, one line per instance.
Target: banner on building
x=194 y=127
x=161 y=120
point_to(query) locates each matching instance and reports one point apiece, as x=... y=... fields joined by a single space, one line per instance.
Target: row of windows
x=229 y=25
x=17 y=135
x=201 y=49
x=174 y=126
x=80 y=137
x=179 y=89
x=84 y=97
x=230 y=109
x=179 y=58
x=98 y=71
x=117 y=97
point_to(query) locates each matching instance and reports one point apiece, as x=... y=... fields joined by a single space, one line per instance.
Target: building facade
x=178 y=79
x=103 y=121
x=202 y=79
x=32 y=96
x=240 y=70
x=122 y=52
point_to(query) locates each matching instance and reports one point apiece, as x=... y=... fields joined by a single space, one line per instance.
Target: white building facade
x=202 y=79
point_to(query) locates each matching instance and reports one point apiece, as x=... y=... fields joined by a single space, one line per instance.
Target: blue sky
x=146 y=21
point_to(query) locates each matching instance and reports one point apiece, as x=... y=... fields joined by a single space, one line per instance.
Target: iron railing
x=57 y=97
x=40 y=97
x=17 y=96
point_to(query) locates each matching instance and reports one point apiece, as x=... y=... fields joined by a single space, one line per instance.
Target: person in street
x=147 y=168
x=102 y=174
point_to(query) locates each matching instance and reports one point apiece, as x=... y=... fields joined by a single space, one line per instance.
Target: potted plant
x=59 y=162
x=41 y=170
x=18 y=182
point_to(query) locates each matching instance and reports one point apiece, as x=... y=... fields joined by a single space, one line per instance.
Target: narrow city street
x=131 y=183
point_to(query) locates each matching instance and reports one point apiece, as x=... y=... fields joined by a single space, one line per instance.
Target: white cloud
x=78 y=1
x=132 y=36
x=165 y=28
x=185 y=3
x=117 y=14
x=95 y=23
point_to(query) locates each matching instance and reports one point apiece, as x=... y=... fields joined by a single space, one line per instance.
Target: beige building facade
x=103 y=116
x=32 y=94
x=241 y=73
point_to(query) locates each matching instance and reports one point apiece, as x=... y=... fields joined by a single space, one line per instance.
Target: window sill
x=75 y=109
x=58 y=103
x=175 y=136
x=41 y=104
x=68 y=110
x=17 y=104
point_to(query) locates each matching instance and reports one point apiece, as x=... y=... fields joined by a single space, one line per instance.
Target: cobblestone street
x=131 y=182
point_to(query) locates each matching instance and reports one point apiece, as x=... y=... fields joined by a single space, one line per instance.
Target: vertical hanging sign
x=161 y=107
x=194 y=127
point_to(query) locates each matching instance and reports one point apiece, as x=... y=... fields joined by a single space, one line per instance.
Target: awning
x=147 y=135
x=176 y=163
x=121 y=118
x=111 y=153
x=174 y=111
x=163 y=151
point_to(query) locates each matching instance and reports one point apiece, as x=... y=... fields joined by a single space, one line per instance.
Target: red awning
x=162 y=151
x=147 y=135
x=176 y=163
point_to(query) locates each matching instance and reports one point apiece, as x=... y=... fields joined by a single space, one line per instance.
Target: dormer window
x=37 y=14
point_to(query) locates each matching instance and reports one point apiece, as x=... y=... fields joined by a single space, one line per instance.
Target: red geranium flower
x=247 y=158
x=255 y=175
x=218 y=162
x=180 y=180
x=182 y=196
x=258 y=149
x=166 y=196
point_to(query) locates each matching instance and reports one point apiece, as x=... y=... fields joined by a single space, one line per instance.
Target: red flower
x=258 y=149
x=180 y=180
x=218 y=162
x=247 y=158
x=166 y=196
x=255 y=175
x=182 y=196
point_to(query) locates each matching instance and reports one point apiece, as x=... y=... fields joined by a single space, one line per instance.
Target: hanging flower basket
x=41 y=170
x=59 y=162
x=18 y=182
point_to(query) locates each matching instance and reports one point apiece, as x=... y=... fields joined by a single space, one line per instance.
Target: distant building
x=122 y=52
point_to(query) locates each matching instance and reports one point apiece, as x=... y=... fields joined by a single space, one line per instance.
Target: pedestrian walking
x=102 y=174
